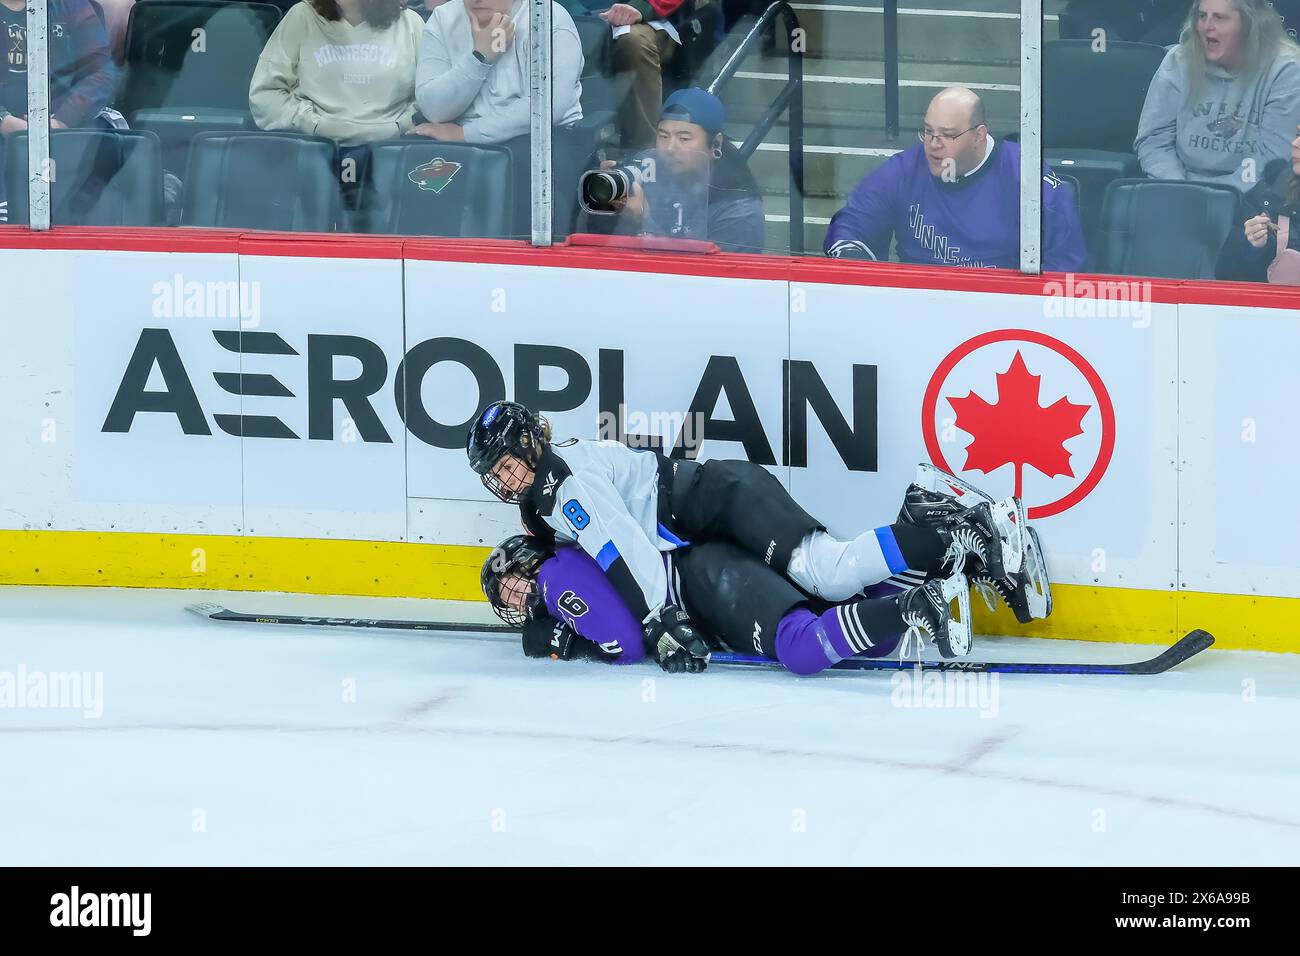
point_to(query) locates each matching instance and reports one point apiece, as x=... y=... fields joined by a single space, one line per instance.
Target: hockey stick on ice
x=1192 y=644
x=216 y=612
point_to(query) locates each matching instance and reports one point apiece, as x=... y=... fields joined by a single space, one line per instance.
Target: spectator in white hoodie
x=339 y=68
x=473 y=77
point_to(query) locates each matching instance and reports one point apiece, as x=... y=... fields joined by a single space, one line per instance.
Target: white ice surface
x=233 y=744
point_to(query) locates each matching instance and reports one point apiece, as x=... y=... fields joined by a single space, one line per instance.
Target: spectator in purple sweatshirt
x=81 y=68
x=954 y=199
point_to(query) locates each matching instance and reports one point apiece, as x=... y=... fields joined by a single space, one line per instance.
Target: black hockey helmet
x=520 y=555
x=504 y=428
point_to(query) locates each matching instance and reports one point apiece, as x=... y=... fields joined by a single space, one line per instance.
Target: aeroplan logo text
x=804 y=394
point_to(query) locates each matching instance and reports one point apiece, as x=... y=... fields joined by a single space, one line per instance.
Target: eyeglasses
x=925 y=134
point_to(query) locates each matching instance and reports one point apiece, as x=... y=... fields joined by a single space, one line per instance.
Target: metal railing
x=790 y=97
x=891 y=69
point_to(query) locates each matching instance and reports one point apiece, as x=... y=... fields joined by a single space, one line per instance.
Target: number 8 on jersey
x=575 y=514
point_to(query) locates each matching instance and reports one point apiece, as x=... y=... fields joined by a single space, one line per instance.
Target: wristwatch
x=480 y=57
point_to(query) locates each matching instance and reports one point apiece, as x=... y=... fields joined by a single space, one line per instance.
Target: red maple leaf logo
x=1017 y=430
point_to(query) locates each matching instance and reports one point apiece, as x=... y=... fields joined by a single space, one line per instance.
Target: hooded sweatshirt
x=1237 y=117
x=490 y=100
x=354 y=84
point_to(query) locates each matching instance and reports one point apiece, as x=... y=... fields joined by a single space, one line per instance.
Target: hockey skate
x=1027 y=592
x=927 y=612
x=984 y=537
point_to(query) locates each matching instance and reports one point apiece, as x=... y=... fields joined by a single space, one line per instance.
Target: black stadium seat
x=1172 y=229
x=1091 y=106
x=101 y=177
x=188 y=67
x=417 y=186
x=254 y=180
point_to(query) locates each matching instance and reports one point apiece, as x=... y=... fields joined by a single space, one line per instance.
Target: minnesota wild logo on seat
x=434 y=175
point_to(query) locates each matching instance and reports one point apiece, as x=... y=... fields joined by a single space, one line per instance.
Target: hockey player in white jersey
x=625 y=507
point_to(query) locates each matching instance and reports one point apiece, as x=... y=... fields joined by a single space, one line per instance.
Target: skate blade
x=1040 y=584
x=960 y=637
x=1009 y=515
x=936 y=479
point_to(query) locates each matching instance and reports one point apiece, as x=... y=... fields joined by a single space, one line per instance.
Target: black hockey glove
x=550 y=637
x=675 y=643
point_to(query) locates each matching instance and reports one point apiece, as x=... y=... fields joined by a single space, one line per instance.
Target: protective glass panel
x=362 y=116
x=1189 y=171
x=793 y=106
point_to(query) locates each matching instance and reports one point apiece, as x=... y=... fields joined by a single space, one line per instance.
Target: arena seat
x=260 y=180
x=102 y=177
x=1078 y=199
x=420 y=187
x=572 y=151
x=179 y=82
x=1172 y=229
x=1091 y=106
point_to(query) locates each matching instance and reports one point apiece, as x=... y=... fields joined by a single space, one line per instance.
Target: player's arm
x=589 y=512
x=546 y=636
x=576 y=592
x=593 y=514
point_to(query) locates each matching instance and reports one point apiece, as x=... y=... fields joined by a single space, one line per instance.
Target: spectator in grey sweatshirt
x=472 y=79
x=1225 y=100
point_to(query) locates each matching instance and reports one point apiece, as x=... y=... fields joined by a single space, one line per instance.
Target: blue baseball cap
x=693 y=105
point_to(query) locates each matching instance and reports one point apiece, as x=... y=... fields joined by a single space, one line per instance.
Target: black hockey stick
x=216 y=612
x=1192 y=644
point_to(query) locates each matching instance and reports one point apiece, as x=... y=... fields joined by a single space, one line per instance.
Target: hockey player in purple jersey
x=954 y=199
x=567 y=609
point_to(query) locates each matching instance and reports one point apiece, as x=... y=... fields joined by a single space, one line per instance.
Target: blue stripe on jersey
x=671 y=538
x=607 y=556
x=889 y=548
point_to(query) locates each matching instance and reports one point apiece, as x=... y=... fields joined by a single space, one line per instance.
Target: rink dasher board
x=336 y=509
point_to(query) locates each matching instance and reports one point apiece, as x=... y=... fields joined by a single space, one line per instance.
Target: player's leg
x=732 y=596
x=745 y=503
x=836 y=570
x=983 y=539
x=749 y=608
x=807 y=642
x=741 y=502
x=1024 y=585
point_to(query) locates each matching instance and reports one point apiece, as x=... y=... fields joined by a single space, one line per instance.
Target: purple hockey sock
x=807 y=643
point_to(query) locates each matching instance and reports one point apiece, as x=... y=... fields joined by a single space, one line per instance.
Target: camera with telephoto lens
x=601 y=189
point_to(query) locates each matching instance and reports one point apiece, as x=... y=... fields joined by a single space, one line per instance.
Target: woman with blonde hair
x=1225 y=100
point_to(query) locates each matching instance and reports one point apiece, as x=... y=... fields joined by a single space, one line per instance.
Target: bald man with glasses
x=954 y=199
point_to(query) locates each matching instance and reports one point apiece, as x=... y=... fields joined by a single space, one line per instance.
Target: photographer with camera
x=693 y=185
x=1268 y=247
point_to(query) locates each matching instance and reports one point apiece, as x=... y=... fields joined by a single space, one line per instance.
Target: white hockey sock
x=836 y=570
